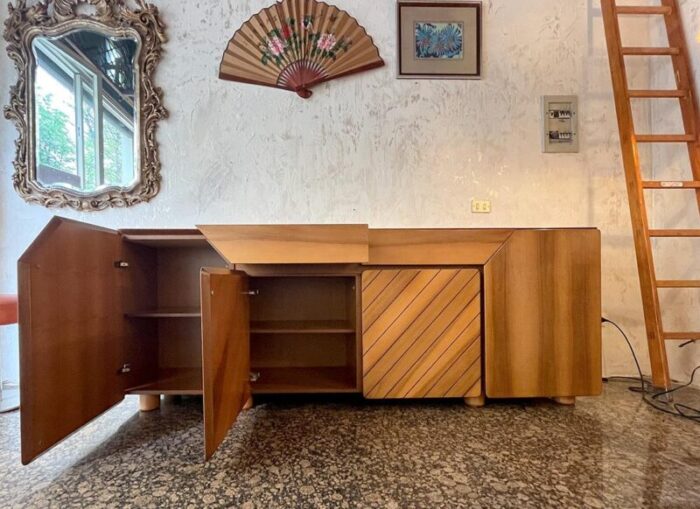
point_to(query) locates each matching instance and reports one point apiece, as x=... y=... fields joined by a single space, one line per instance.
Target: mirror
x=85 y=106
x=89 y=111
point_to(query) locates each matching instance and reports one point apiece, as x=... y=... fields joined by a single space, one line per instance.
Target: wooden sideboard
x=229 y=311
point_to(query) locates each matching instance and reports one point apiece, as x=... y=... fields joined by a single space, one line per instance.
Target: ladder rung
x=653 y=184
x=682 y=336
x=665 y=138
x=674 y=233
x=643 y=9
x=657 y=94
x=678 y=284
x=651 y=51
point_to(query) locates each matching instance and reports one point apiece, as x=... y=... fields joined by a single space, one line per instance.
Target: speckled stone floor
x=612 y=451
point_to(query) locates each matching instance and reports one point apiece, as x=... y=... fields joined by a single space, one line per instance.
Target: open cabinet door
x=225 y=352
x=69 y=328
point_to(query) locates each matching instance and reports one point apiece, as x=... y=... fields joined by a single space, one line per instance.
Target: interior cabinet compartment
x=163 y=308
x=304 y=335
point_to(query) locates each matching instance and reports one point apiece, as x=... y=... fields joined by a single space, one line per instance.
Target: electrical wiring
x=680 y=408
x=653 y=398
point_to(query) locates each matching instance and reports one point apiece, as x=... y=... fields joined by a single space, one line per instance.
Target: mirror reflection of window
x=85 y=111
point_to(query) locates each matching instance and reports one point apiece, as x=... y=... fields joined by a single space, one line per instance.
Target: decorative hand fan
x=297 y=44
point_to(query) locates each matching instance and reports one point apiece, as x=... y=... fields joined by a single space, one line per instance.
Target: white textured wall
x=374 y=149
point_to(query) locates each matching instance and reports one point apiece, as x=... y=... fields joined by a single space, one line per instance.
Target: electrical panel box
x=560 y=118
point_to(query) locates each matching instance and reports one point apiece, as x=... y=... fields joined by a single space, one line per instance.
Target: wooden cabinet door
x=69 y=327
x=225 y=352
x=542 y=332
x=421 y=333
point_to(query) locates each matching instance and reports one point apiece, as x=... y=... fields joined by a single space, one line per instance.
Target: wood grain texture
x=629 y=139
x=303 y=326
x=149 y=402
x=305 y=380
x=165 y=238
x=690 y=108
x=477 y=402
x=421 y=333
x=311 y=270
x=300 y=350
x=166 y=313
x=290 y=244
x=566 y=401
x=161 y=294
x=642 y=10
x=542 y=304
x=172 y=382
x=302 y=299
x=70 y=332
x=225 y=352
x=139 y=290
x=434 y=247
x=636 y=196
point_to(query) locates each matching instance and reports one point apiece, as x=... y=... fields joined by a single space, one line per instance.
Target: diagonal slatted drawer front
x=421 y=333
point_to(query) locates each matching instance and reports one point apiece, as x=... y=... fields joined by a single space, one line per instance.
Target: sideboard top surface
x=290 y=244
x=333 y=244
x=339 y=244
x=356 y=244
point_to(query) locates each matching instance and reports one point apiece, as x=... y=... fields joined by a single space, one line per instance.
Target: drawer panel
x=421 y=333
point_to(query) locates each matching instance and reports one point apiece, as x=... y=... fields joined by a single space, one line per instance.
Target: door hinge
x=121 y=264
x=126 y=368
x=254 y=377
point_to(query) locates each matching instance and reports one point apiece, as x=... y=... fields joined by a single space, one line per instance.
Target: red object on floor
x=8 y=309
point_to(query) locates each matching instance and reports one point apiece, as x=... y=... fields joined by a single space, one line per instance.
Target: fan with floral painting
x=297 y=44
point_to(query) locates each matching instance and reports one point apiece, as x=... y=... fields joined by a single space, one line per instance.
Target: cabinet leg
x=149 y=402
x=477 y=402
x=249 y=403
x=565 y=401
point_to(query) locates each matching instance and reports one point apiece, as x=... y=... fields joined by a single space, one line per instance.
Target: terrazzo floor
x=612 y=451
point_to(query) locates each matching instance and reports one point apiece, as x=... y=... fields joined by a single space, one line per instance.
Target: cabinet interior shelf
x=173 y=382
x=166 y=313
x=302 y=327
x=306 y=380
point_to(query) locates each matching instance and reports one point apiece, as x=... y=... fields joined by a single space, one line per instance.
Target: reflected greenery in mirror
x=85 y=103
x=86 y=106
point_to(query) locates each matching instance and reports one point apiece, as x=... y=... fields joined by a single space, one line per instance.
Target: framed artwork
x=439 y=40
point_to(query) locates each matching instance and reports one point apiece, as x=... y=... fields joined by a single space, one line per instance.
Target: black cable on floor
x=652 y=399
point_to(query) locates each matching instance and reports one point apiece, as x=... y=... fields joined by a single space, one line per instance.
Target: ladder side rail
x=635 y=190
x=685 y=79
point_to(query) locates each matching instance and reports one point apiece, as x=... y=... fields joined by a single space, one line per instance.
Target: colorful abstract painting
x=442 y=41
x=439 y=40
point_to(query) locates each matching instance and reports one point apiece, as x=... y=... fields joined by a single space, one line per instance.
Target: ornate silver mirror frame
x=115 y=18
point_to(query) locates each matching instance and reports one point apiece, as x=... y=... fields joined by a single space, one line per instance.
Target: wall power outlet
x=481 y=206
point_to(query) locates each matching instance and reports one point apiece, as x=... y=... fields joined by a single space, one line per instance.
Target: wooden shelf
x=302 y=327
x=173 y=382
x=312 y=380
x=165 y=238
x=166 y=313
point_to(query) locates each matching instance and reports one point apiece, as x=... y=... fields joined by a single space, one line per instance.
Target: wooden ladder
x=657 y=336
